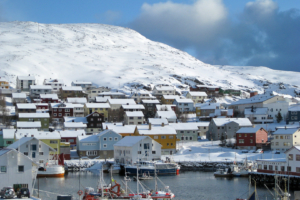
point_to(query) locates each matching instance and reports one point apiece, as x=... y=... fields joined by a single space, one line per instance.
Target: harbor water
x=188 y=185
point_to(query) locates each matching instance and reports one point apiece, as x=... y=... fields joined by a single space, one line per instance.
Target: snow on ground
x=89 y=51
x=211 y=151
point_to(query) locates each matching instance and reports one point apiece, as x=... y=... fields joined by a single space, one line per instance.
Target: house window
x=153 y=152
x=251 y=141
x=9 y=142
x=63 y=140
x=3 y=169
x=182 y=138
x=240 y=135
x=276 y=137
x=54 y=114
x=282 y=168
x=59 y=114
x=191 y=138
x=155 y=137
x=104 y=139
x=130 y=117
x=139 y=152
x=116 y=139
x=167 y=144
x=171 y=144
x=33 y=154
x=41 y=153
x=297 y=157
x=33 y=147
x=104 y=145
x=163 y=137
x=288 y=168
x=270 y=167
x=171 y=137
x=265 y=167
x=53 y=141
x=298 y=169
x=21 y=168
x=241 y=141
x=110 y=139
x=67 y=110
x=276 y=168
x=26 y=153
x=291 y=157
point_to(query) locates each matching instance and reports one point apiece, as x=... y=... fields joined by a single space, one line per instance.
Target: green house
x=232 y=92
x=35 y=117
x=7 y=137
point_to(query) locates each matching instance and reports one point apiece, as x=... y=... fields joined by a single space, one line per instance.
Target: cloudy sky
x=220 y=32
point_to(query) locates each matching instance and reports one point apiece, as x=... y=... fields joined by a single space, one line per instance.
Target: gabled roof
x=88 y=138
x=136 y=106
x=198 y=94
x=76 y=119
x=41 y=135
x=97 y=105
x=102 y=99
x=18 y=95
x=54 y=81
x=151 y=101
x=256 y=111
x=156 y=130
x=293 y=147
x=165 y=107
x=40 y=87
x=121 y=101
x=29 y=124
x=81 y=82
x=295 y=108
x=171 y=97
x=255 y=99
x=288 y=131
x=76 y=100
x=26 y=77
x=49 y=96
x=160 y=88
x=119 y=128
x=218 y=112
x=240 y=121
x=166 y=114
x=34 y=115
x=158 y=121
x=184 y=126
x=24 y=140
x=74 y=125
x=72 y=88
x=130 y=141
x=26 y=106
x=249 y=129
x=62 y=105
x=7 y=150
x=184 y=101
x=207 y=106
x=134 y=114
x=101 y=114
x=107 y=132
x=71 y=133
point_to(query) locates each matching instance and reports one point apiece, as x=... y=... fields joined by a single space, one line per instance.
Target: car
x=24 y=192
x=277 y=152
x=3 y=190
x=244 y=151
x=259 y=151
x=252 y=151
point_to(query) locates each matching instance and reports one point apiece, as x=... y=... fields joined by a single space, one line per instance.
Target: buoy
x=79 y=192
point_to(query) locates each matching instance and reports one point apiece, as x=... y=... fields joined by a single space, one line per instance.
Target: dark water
x=186 y=186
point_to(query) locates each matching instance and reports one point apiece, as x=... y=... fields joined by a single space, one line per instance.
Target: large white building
x=56 y=84
x=24 y=82
x=134 y=148
x=16 y=169
x=36 y=90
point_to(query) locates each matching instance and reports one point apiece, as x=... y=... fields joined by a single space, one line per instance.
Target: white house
x=135 y=117
x=134 y=148
x=24 y=82
x=197 y=97
x=56 y=84
x=29 y=125
x=142 y=95
x=36 y=90
x=258 y=115
x=74 y=126
x=284 y=139
x=77 y=100
x=158 y=121
x=19 y=98
x=83 y=84
x=35 y=149
x=16 y=169
x=169 y=115
x=160 y=90
x=117 y=103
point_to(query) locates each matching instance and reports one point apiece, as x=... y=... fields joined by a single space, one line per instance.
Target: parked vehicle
x=24 y=192
x=244 y=151
x=9 y=194
x=3 y=190
x=259 y=151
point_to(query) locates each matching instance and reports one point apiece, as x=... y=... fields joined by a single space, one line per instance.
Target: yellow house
x=197 y=97
x=4 y=84
x=168 y=99
x=52 y=139
x=164 y=135
x=120 y=128
x=97 y=107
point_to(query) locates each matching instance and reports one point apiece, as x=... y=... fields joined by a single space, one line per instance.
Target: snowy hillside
x=117 y=57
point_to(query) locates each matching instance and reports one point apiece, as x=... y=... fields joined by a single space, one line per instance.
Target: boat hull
x=132 y=171
x=52 y=171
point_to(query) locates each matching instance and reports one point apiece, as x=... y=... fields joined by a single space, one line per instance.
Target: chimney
x=162 y=124
x=149 y=126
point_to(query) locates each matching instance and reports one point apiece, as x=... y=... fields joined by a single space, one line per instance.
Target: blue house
x=184 y=105
x=294 y=114
x=100 y=145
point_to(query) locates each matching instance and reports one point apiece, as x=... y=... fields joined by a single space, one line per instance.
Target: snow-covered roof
x=273 y=160
x=165 y=107
x=158 y=121
x=150 y=101
x=184 y=126
x=248 y=129
x=129 y=141
x=76 y=119
x=102 y=99
x=41 y=104
x=240 y=121
x=161 y=88
x=297 y=147
x=76 y=100
x=184 y=101
x=24 y=140
x=202 y=124
x=71 y=133
x=54 y=81
x=74 y=125
x=106 y=131
x=171 y=97
x=29 y=124
x=134 y=114
x=119 y=128
x=40 y=87
x=9 y=133
x=136 y=106
x=156 y=130
x=110 y=93
x=295 y=108
x=72 y=88
x=37 y=134
x=88 y=138
x=49 y=96
x=26 y=77
x=121 y=101
x=62 y=105
x=255 y=99
x=207 y=106
x=97 y=105
x=81 y=82
x=166 y=114
x=287 y=131
x=26 y=106
x=256 y=111
x=34 y=115
x=18 y=95
x=207 y=86
x=218 y=112
x=198 y=94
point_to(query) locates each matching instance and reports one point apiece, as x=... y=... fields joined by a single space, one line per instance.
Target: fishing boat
x=162 y=168
x=51 y=170
x=223 y=173
x=143 y=177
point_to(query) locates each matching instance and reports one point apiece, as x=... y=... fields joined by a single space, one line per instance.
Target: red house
x=42 y=106
x=251 y=138
x=70 y=136
x=49 y=98
x=60 y=110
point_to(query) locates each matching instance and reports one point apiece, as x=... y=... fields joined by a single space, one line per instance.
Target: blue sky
x=225 y=32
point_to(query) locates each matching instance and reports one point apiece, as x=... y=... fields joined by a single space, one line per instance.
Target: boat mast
x=155 y=177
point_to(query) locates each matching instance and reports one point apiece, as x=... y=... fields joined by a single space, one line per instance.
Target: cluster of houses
x=92 y=120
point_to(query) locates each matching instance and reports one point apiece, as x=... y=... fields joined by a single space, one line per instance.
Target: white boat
x=223 y=173
x=51 y=171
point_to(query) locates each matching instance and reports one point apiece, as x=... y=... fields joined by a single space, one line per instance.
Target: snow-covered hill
x=117 y=57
